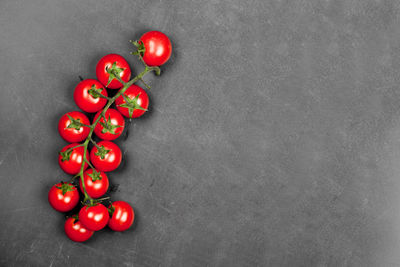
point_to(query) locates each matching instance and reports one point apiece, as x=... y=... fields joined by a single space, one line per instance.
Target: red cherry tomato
x=86 y=95
x=96 y=183
x=71 y=161
x=133 y=103
x=112 y=128
x=63 y=197
x=107 y=158
x=118 y=65
x=157 y=46
x=122 y=217
x=76 y=231
x=94 y=218
x=70 y=129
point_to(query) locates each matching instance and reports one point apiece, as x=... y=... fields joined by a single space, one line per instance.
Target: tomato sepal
x=75 y=123
x=102 y=152
x=108 y=127
x=65 y=155
x=95 y=92
x=114 y=72
x=131 y=104
x=65 y=187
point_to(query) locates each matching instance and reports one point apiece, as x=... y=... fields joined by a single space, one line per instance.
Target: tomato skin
x=76 y=231
x=105 y=63
x=142 y=101
x=71 y=134
x=122 y=217
x=73 y=165
x=158 y=48
x=94 y=189
x=116 y=119
x=94 y=218
x=63 y=202
x=111 y=160
x=86 y=101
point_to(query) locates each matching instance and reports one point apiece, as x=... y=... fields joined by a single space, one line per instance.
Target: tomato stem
x=145 y=84
x=101 y=199
x=90 y=164
x=94 y=143
x=73 y=178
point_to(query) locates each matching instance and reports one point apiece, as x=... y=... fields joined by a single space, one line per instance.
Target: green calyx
x=114 y=71
x=95 y=175
x=65 y=155
x=65 y=187
x=95 y=92
x=140 y=48
x=75 y=123
x=111 y=210
x=108 y=127
x=102 y=152
x=131 y=104
x=75 y=217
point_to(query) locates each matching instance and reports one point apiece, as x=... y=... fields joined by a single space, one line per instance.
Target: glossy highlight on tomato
x=71 y=162
x=70 y=131
x=76 y=231
x=109 y=161
x=95 y=217
x=86 y=95
x=112 y=127
x=63 y=197
x=96 y=183
x=116 y=63
x=138 y=102
x=122 y=216
x=158 y=48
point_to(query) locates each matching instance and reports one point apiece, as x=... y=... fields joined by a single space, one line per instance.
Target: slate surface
x=273 y=137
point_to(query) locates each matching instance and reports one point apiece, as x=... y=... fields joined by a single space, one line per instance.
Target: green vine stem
x=126 y=85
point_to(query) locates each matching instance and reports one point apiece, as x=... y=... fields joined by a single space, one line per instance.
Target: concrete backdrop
x=273 y=136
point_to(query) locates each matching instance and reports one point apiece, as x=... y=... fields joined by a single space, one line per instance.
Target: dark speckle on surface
x=272 y=136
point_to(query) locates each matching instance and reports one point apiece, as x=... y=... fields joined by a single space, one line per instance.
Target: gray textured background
x=273 y=137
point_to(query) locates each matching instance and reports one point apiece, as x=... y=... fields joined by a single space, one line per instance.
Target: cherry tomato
x=87 y=95
x=94 y=218
x=133 y=103
x=70 y=129
x=70 y=160
x=63 y=197
x=112 y=128
x=76 y=231
x=96 y=183
x=107 y=158
x=157 y=46
x=115 y=63
x=122 y=216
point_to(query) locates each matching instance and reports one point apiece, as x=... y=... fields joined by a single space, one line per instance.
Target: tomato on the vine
x=111 y=65
x=106 y=156
x=70 y=160
x=96 y=183
x=133 y=103
x=63 y=197
x=87 y=95
x=122 y=216
x=70 y=126
x=76 y=231
x=95 y=217
x=112 y=128
x=157 y=46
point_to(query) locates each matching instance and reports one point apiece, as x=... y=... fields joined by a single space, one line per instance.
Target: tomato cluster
x=90 y=164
